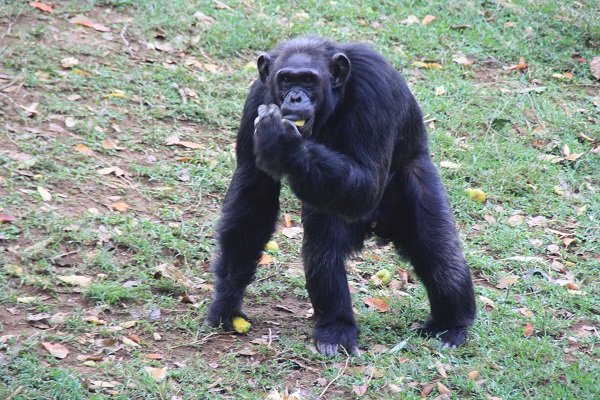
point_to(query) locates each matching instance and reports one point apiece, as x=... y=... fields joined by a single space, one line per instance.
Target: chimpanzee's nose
x=295 y=98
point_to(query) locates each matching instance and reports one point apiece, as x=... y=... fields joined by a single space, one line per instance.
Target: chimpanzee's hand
x=273 y=137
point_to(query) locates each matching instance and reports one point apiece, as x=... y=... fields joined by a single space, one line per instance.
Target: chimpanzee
x=340 y=124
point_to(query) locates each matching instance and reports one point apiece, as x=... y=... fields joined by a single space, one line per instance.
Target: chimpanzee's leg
x=415 y=214
x=247 y=221
x=328 y=240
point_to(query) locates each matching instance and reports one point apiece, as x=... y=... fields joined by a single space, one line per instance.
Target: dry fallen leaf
x=595 y=67
x=462 y=60
x=528 y=330
x=287 y=220
x=473 y=375
x=5 y=218
x=85 y=21
x=449 y=165
x=158 y=374
x=410 y=20
x=292 y=232
x=69 y=62
x=443 y=389
x=426 y=390
x=75 y=280
x=521 y=66
x=515 y=220
x=46 y=195
x=429 y=19
x=506 y=281
x=265 y=259
x=487 y=302
x=171 y=272
x=440 y=90
x=427 y=65
x=57 y=350
x=112 y=170
x=377 y=303
x=120 y=206
x=41 y=6
x=359 y=390
x=83 y=149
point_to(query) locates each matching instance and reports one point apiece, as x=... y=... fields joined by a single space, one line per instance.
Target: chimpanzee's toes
x=327 y=349
x=332 y=349
x=223 y=320
x=330 y=336
x=451 y=337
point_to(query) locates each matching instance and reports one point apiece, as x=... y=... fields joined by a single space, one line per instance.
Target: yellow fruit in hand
x=476 y=195
x=300 y=123
x=272 y=246
x=240 y=325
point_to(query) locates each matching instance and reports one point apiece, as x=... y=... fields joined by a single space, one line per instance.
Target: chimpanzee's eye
x=307 y=79
x=286 y=79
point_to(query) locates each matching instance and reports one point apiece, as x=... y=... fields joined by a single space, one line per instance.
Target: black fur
x=363 y=162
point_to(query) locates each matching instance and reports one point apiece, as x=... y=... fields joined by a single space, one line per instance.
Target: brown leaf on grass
x=120 y=206
x=57 y=350
x=521 y=66
x=429 y=19
x=7 y=219
x=488 y=303
x=158 y=374
x=154 y=356
x=265 y=259
x=473 y=375
x=426 y=390
x=83 y=149
x=528 y=329
x=85 y=21
x=171 y=272
x=292 y=232
x=449 y=165
x=117 y=171
x=359 y=390
x=44 y=193
x=108 y=144
x=128 y=342
x=377 y=303
x=507 y=281
x=287 y=220
x=174 y=140
x=41 y=6
x=69 y=62
x=76 y=280
x=441 y=370
x=515 y=220
x=427 y=65
x=443 y=389
x=462 y=60
x=410 y=20
x=595 y=67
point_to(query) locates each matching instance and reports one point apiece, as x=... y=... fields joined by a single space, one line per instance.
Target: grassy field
x=116 y=136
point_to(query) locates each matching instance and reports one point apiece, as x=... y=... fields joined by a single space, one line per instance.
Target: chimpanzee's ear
x=340 y=70
x=264 y=65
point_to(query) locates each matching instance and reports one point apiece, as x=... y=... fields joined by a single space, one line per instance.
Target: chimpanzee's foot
x=331 y=336
x=451 y=337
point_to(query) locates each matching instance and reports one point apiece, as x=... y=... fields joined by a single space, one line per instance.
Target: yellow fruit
x=240 y=325
x=381 y=278
x=272 y=246
x=476 y=195
x=385 y=276
x=300 y=123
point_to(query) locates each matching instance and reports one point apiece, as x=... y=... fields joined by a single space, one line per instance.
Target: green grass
x=498 y=126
